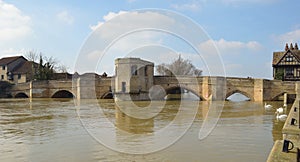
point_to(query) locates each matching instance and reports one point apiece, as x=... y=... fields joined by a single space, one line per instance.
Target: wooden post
x=285 y=97
x=78 y=86
x=30 y=89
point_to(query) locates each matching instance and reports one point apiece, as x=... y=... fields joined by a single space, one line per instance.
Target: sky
x=243 y=33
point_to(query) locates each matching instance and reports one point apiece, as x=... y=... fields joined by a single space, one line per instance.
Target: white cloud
x=94 y=54
x=128 y=24
x=12 y=51
x=119 y=33
x=216 y=52
x=107 y=17
x=133 y=20
x=65 y=17
x=194 y=6
x=228 y=47
x=289 y=37
x=13 y=23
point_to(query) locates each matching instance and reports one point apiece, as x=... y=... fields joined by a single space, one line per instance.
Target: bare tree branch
x=32 y=55
x=178 y=67
x=47 y=65
x=62 y=68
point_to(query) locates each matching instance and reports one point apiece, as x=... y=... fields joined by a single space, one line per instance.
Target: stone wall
x=5 y=89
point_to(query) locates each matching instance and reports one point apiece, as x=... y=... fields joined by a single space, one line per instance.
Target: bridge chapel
x=133 y=78
x=286 y=64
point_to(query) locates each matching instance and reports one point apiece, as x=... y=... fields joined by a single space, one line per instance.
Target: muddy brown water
x=50 y=130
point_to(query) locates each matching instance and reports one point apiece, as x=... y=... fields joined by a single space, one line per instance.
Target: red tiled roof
x=277 y=56
x=7 y=60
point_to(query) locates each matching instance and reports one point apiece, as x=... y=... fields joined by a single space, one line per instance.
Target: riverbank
x=289 y=132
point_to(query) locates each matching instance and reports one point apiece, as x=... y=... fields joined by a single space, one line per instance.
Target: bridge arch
x=63 y=94
x=275 y=97
x=107 y=95
x=169 y=89
x=21 y=95
x=228 y=94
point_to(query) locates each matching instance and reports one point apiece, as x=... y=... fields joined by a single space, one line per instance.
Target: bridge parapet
x=205 y=87
x=21 y=86
x=60 y=84
x=272 y=89
x=39 y=89
x=94 y=88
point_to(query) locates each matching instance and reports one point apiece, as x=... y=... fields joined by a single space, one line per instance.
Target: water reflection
x=277 y=125
x=131 y=124
x=277 y=130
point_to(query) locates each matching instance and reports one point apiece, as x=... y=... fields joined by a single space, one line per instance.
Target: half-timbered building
x=286 y=64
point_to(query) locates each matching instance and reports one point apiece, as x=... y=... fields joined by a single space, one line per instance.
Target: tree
x=47 y=66
x=279 y=74
x=61 y=68
x=45 y=70
x=32 y=55
x=179 y=66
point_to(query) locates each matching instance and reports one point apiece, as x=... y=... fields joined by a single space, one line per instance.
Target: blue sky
x=246 y=32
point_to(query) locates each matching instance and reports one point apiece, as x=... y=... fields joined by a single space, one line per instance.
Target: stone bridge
x=76 y=88
x=206 y=88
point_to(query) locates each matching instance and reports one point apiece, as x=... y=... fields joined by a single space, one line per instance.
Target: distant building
x=61 y=76
x=133 y=78
x=17 y=69
x=286 y=64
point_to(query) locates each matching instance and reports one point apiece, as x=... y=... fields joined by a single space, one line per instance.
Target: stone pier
x=289 y=132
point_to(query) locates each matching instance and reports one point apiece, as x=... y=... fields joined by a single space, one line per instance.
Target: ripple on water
x=23 y=119
x=51 y=129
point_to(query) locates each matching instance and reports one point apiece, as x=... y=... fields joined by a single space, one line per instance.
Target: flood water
x=55 y=130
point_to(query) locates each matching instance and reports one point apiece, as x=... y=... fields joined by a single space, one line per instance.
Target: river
x=56 y=130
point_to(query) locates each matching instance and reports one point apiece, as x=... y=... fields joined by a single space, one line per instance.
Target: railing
x=291 y=78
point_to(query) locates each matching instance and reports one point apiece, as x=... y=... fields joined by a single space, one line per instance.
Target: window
x=146 y=69
x=298 y=73
x=133 y=70
x=289 y=71
x=3 y=67
x=123 y=87
x=10 y=76
x=19 y=76
x=289 y=59
x=116 y=70
x=2 y=77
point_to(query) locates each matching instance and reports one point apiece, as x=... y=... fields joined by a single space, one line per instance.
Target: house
x=286 y=64
x=17 y=69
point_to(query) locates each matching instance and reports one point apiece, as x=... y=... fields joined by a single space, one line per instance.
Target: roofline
x=283 y=54
x=16 y=57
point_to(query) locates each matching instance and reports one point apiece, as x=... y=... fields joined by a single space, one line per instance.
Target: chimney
x=296 y=46
x=286 y=47
x=291 y=46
